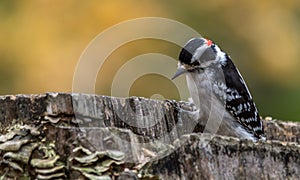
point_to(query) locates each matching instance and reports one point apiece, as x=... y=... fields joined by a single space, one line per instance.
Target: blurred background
x=41 y=42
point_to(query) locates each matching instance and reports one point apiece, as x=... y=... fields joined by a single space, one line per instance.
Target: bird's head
x=197 y=54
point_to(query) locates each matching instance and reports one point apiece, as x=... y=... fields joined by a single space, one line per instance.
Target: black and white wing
x=239 y=101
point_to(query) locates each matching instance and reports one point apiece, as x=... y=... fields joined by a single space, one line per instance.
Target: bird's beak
x=179 y=71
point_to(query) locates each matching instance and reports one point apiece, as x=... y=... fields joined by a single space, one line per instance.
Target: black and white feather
x=219 y=91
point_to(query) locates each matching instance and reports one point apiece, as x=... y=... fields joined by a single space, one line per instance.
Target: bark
x=81 y=136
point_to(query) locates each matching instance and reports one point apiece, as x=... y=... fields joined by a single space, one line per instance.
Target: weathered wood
x=134 y=113
x=202 y=156
x=68 y=134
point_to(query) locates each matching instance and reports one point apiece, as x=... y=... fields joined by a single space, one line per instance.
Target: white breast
x=213 y=114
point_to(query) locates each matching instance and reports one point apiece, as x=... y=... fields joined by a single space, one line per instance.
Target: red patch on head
x=209 y=42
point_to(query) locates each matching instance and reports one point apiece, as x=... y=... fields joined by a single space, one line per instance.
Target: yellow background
x=41 y=42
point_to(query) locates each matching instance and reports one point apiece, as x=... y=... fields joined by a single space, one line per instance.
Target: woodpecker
x=219 y=91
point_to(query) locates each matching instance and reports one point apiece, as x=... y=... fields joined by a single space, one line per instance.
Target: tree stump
x=82 y=136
